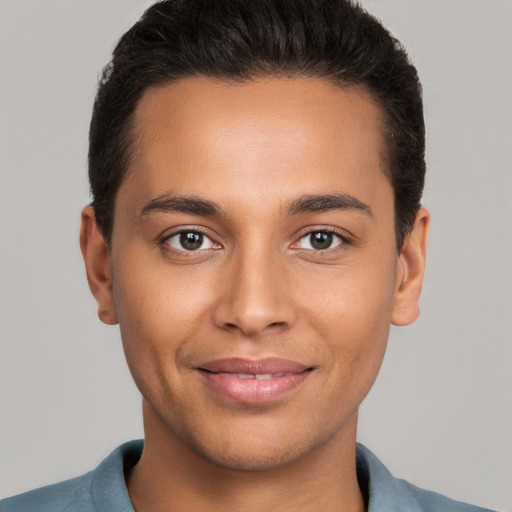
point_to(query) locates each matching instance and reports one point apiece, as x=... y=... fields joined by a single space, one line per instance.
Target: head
x=239 y=41
x=256 y=170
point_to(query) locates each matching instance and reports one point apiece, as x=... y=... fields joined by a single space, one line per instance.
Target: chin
x=257 y=449
x=243 y=458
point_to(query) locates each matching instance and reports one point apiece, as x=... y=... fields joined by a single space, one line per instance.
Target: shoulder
x=54 y=498
x=385 y=492
x=100 y=490
x=434 y=502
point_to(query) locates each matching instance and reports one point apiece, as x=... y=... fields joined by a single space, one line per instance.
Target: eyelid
x=164 y=241
x=344 y=237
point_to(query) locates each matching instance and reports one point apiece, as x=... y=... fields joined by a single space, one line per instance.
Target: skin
x=256 y=288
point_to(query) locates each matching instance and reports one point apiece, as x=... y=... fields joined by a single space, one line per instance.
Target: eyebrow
x=169 y=203
x=326 y=203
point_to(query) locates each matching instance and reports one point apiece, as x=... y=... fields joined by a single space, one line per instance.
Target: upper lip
x=267 y=365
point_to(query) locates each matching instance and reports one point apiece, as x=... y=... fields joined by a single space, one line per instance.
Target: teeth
x=259 y=376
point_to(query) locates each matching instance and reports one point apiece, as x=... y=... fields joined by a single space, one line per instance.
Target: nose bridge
x=254 y=294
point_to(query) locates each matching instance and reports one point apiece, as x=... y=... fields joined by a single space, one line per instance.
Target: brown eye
x=320 y=240
x=190 y=241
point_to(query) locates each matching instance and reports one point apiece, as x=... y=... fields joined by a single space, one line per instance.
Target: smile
x=260 y=376
x=253 y=382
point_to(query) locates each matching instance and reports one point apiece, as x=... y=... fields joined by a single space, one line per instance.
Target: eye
x=320 y=240
x=190 y=241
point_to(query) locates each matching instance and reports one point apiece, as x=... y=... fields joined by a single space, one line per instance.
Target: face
x=254 y=273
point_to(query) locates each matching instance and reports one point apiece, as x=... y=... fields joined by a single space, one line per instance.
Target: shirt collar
x=384 y=492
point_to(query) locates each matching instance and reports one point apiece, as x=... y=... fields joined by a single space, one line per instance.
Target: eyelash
x=343 y=240
x=341 y=235
x=165 y=241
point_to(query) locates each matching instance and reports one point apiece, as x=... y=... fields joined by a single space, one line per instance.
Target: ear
x=98 y=266
x=411 y=268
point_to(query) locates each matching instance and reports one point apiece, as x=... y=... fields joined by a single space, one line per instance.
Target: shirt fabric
x=104 y=489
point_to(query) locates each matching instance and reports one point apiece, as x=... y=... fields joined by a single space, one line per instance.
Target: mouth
x=253 y=382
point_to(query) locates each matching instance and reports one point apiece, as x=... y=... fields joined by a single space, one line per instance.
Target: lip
x=253 y=382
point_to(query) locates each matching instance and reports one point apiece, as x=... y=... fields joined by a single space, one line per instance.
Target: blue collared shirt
x=104 y=489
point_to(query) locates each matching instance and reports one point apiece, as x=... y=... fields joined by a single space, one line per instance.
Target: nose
x=254 y=296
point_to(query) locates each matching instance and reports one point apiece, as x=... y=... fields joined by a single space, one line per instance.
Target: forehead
x=206 y=136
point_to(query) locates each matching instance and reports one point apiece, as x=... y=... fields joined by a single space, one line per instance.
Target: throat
x=175 y=471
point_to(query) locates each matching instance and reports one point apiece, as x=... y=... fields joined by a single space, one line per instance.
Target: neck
x=170 y=476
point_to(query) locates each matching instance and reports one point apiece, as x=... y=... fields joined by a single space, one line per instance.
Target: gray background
x=441 y=411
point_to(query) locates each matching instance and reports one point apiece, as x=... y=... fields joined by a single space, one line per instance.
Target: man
x=256 y=171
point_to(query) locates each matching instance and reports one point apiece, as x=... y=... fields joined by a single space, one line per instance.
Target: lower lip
x=253 y=391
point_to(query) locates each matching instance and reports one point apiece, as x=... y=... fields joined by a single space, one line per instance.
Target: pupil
x=321 y=240
x=191 y=241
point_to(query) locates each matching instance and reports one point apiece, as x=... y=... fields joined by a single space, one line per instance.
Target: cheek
x=159 y=315
x=350 y=308
x=156 y=301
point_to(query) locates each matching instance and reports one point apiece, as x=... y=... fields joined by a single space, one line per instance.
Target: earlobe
x=411 y=269
x=98 y=266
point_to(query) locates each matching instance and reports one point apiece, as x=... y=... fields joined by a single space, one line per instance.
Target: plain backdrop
x=440 y=413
